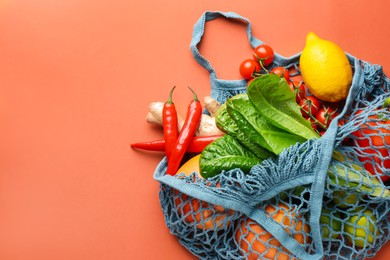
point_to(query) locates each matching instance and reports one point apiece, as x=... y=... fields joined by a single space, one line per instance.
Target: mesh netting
x=325 y=198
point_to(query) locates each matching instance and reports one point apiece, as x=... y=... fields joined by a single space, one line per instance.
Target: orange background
x=76 y=78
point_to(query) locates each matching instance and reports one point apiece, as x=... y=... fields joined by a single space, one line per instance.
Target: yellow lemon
x=361 y=228
x=325 y=69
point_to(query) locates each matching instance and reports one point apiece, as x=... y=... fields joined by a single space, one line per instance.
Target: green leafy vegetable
x=224 y=122
x=228 y=125
x=257 y=128
x=274 y=100
x=226 y=153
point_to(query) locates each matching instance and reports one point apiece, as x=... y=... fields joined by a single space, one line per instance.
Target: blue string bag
x=314 y=201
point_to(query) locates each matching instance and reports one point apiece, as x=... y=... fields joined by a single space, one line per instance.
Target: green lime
x=330 y=223
x=342 y=200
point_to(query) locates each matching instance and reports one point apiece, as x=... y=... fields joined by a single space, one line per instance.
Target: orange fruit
x=257 y=243
x=190 y=166
x=203 y=214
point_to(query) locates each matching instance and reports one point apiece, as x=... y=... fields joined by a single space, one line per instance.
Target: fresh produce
x=342 y=172
x=226 y=153
x=313 y=123
x=186 y=134
x=190 y=166
x=170 y=125
x=155 y=114
x=248 y=67
x=256 y=243
x=267 y=118
x=207 y=126
x=386 y=103
x=228 y=125
x=264 y=54
x=325 y=115
x=361 y=227
x=325 y=69
x=200 y=213
x=281 y=72
x=273 y=99
x=256 y=128
x=165 y=115
x=197 y=144
x=299 y=88
x=207 y=122
x=309 y=106
x=330 y=223
x=344 y=200
x=373 y=142
x=211 y=105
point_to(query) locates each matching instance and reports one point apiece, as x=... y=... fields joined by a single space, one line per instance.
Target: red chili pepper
x=170 y=125
x=194 y=113
x=197 y=144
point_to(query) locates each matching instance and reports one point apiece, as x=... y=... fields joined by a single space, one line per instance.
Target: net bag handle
x=222 y=89
x=199 y=29
x=198 y=33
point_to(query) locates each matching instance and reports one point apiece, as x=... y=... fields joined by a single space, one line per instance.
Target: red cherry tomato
x=299 y=89
x=264 y=53
x=313 y=123
x=309 y=105
x=248 y=67
x=373 y=140
x=282 y=72
x=325 y=115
